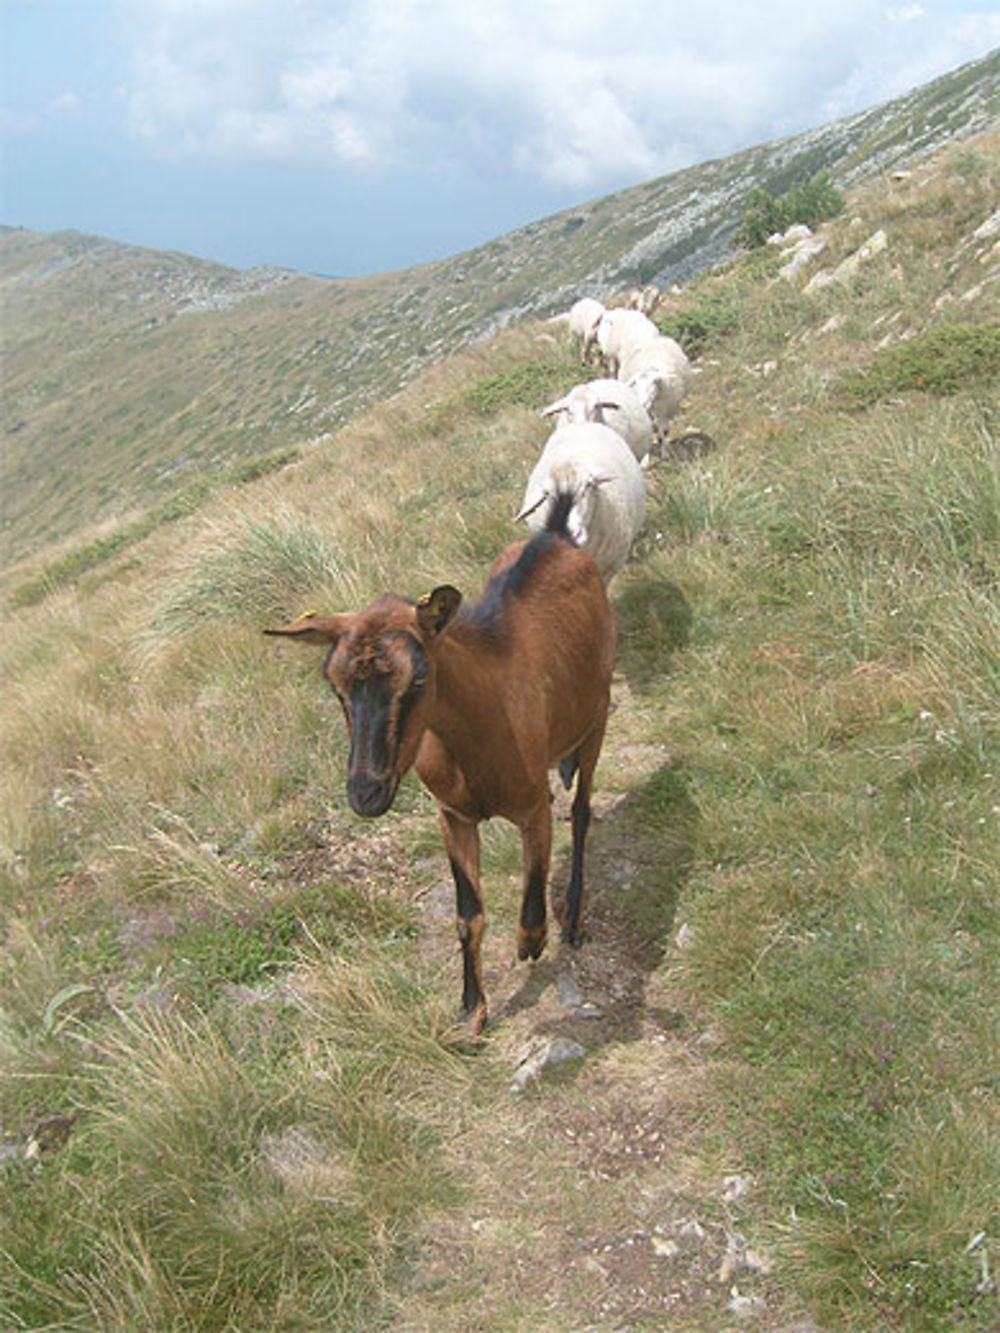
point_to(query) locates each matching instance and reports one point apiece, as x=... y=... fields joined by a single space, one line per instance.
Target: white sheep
x=661 y=375
x=645 y=299
x=598 y=468
x=610 y=403
x=620 y=331
x=659 y=353
x=584 y=317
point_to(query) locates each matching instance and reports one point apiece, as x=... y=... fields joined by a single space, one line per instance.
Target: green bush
x=706 y=324
x=812 y=200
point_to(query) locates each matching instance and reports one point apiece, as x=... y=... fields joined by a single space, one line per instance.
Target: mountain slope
x=128 y=373
x=234 y=1098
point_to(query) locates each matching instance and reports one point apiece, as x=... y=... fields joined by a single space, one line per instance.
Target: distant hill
x=129 y=373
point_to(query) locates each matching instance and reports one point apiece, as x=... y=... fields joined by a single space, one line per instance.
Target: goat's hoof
x=531 y=943
x=573 y=937
x=469 y=1027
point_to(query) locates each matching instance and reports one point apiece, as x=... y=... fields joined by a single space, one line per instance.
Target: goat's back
x=543 y=637
x=560 y=608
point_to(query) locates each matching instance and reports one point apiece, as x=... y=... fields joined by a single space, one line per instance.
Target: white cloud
x=17 y=123
x=904 y=13
x=572 y=92
x=66 y=104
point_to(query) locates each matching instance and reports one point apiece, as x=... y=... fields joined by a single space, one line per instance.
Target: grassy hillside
x=132 y=378
x=233 y=1097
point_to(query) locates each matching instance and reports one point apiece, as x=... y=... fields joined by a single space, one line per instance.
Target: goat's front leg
x=536 y=842
x=461 y=840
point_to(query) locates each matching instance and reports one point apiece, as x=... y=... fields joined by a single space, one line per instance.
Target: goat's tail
x=558 y=517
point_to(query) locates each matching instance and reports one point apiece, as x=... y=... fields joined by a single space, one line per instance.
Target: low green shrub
x=940 y=361
x=526 y=385
x=708 y=322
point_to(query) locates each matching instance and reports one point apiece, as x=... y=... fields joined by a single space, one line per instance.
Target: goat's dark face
x=381 y=678
x=380 y=666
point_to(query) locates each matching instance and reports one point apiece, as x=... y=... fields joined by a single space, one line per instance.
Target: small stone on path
x=553 y=1051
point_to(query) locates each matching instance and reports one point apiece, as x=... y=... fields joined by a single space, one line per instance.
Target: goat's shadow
x=639 y=855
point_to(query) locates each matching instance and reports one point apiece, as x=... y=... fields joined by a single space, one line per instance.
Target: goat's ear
x=553 y=408
x=311 y=628
x=530 y=506
x=435 y=609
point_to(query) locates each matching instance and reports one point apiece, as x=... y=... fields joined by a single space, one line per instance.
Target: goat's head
x=380 y=664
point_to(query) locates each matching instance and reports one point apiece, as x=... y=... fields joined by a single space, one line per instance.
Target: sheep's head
x=576 y=408
x=380 y=665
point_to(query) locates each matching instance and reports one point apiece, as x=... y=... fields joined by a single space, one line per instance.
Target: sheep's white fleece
x=661 y=375
x=602 y=473
x=584 y=317
x=611 y=403
x=622 y=330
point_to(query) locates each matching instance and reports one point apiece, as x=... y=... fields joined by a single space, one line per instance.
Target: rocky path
x=598 y=1197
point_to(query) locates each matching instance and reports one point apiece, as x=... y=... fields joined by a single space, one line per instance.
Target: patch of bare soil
x=372 y=855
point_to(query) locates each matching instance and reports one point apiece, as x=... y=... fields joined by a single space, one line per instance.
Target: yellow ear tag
x=306 y=615
x=425 y=600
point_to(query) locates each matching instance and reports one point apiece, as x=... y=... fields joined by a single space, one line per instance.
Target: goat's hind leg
x=567 y=769
x=536 y=843
x=573 y=915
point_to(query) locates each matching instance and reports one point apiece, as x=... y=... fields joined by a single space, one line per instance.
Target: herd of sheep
x=607 y=429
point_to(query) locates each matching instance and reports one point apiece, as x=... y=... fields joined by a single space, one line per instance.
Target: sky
x=350 y=137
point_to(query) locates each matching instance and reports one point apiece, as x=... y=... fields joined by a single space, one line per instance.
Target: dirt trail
x=592 y=1200
x=595 y=1193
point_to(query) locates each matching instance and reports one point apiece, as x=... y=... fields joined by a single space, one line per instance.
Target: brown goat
x=484 y=700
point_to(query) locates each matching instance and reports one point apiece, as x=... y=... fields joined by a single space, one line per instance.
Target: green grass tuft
x=258 y=570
